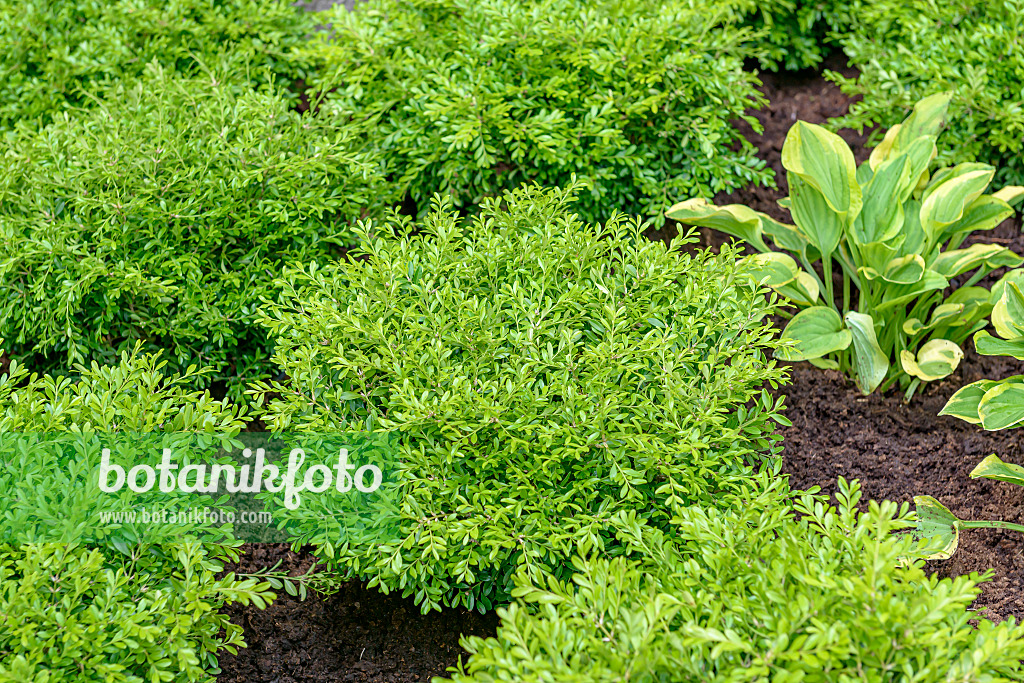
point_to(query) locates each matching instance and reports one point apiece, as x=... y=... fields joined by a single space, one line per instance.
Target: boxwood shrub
x=907 y=50
x=163 y=214
x=142 y=613
x=773 y=586
x=57 y=52
x=795 y=34
x=472 y=97
x=538 y=376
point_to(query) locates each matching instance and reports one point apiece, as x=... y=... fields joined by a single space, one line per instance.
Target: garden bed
x=896 y=450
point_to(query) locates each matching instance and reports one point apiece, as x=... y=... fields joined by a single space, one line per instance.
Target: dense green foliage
x=753 y=592
x=795 y=34
x=540 y=377
x=907 y=50
x=147 y=612
x=163 y=213
x=474 y=97
x=895 y=228
x=57 y=51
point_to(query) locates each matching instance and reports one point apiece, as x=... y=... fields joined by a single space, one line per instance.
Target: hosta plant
x=892 y=230
x=539 y=376
x=772 y=587
x=938 y=523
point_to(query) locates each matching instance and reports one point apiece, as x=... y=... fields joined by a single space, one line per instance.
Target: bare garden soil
x=896 y=450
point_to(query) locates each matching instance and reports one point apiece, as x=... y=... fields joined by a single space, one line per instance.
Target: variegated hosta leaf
x=965 y=402
x=803 y=290
x=952 y=263
x=897 y=295
x=822 y=225
x=935 y=523
x=816 y=331
x=869 y=361
x=1002 y=406
x=773 y=269
x=950 y=193
x=904 y=270
x=881 y=216
x=1011 y=194
x=824 y=161
x=984 y=213
x=935 y=360
x=987 y=345
x=926 y=120
x=734 y=219
x=1008 y=312
x=994 y=468
x=951 y=314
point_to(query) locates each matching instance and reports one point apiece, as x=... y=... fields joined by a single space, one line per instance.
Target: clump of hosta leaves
x=135 y=613
x=163 y=214
x=775 y=586
x=997 y=404
x=905 y=51
x=472 y=97
x=539 y=376
x=57 y=52
x=895 y=228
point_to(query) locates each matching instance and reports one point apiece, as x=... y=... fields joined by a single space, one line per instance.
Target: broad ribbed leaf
x=822 y=160
x=734 y=219
x=952 y=263
x=936 y=523
x=987 y=345
x=1002 y=406
x=817 y=331
x=869 y=361
x=946 y=201
x=1008 y=313
x=964 y=403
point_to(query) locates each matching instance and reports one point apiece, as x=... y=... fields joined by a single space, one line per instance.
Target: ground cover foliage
x=583 y=431
x=541 y=376
x=469 y=99
x=162 y=214
x=90 y=611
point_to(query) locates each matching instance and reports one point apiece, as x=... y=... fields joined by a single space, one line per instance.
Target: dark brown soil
x=354 y=635
x=896 y=450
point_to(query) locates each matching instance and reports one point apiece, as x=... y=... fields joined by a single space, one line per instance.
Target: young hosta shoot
x=935 y=520
x=895 y=229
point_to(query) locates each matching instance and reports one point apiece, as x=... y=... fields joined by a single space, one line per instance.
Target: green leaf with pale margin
x=936 y=523
x=773 y=269
x=817 y=331
x=1008 y=313
x=964 y=403
x=987 y=345
x=869 y=361
x=994 y=468
x=946 y=201
x=735 y=219
x=1002 y=406
x=935 y=360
